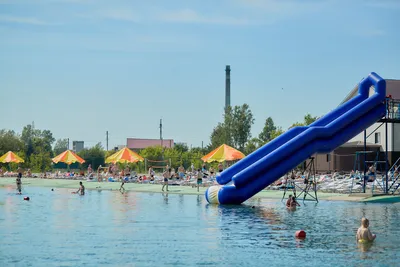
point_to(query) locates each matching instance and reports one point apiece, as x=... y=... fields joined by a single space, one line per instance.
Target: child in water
x=363 y=233
x=291 y=202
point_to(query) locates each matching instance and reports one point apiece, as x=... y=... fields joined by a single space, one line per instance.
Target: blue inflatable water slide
x=264 y=166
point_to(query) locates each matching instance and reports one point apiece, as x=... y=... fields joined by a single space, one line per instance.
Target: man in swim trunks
x=364 y=235
x=166 y=175
x=81 y=189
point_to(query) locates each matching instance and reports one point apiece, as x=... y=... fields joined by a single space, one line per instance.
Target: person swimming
x=364 y=234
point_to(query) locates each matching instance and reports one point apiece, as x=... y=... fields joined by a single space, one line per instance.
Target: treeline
x=38 y=147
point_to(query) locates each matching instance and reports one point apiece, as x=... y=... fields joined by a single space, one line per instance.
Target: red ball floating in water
x=300 y=234
x=26 y=198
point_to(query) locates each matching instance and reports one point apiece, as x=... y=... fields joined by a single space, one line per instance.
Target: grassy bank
x=154 y=188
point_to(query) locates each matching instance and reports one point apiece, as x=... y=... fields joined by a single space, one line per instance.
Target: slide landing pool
x=267 y=164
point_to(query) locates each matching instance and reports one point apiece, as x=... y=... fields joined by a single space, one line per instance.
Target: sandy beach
x=156 y=188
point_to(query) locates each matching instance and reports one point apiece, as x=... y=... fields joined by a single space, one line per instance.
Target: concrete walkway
x=156 y=188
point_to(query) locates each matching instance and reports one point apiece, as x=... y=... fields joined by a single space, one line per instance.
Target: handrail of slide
x=325 y=134
x=226 y=176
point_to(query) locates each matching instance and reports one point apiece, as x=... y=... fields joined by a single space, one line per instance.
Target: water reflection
x=165 y=197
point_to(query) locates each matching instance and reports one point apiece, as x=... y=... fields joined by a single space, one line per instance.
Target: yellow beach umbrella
x=223 y=153
x=123 y=156
x=11 y=157
x=68 y=157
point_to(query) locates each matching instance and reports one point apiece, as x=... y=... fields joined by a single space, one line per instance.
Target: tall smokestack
x=227 y=86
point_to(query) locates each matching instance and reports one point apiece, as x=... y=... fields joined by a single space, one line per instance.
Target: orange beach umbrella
x=11 y=157
x=223 y=153
x=123 y=156
x=68 y=157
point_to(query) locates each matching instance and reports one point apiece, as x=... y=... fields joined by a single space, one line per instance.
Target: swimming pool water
x=107 y=228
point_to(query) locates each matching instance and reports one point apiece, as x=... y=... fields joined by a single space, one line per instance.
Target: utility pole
x=107 y=140
x=161 y=139
x=68 y=144
x=202 y=145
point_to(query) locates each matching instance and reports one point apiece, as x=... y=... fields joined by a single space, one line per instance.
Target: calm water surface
x=107 y=228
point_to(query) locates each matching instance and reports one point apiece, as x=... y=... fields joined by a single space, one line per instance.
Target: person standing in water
x=122 y=188
x=19 y=181
x=364 y=234
x=81 y=189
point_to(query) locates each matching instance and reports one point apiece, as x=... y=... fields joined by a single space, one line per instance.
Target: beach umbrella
x=68 y=157
x=223 y=153
x=125 y=155
x=11 y=157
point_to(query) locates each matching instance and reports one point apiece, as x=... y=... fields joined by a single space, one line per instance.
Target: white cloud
x=119 y=14
x=191 y=16
x=21 y=20
x=283 y=6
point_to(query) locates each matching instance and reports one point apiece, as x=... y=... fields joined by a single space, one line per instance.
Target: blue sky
x=82 y=67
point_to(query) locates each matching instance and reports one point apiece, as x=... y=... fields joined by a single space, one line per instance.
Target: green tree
x=219 y=136
x=181 y=147
x=10 y=141
x=269 y=128
x=241 y=127
x=94 y=156
x=235 y=131
x=40 y=161
x=252 y=145
x=60 y=146
x=36 y=140
x=307 y=120
x=277 y=132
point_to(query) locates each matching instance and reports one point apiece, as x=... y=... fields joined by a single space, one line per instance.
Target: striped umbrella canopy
x=123 y=156
x=68 y=157
x=223 y=153
x=11 y=157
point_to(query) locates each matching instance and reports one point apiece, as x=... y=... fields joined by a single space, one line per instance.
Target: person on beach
x=181 y=171
x=19 y=183
x=166 y=175
x=220 y=167
x=192 y=168
x=211 y=170
x=199 y=179
x=81 y=190
x=364 y=234
x=89 y=169
x=371 y=173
